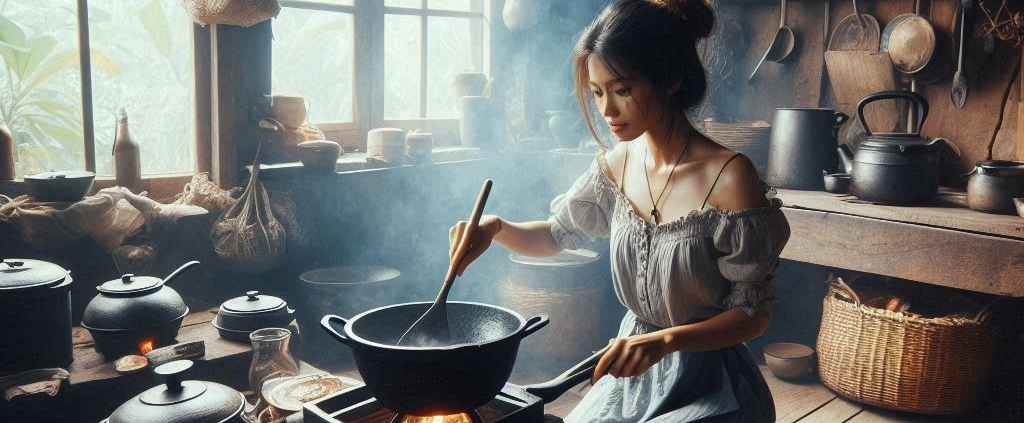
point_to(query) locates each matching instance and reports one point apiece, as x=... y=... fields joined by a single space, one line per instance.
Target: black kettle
x=894 y=168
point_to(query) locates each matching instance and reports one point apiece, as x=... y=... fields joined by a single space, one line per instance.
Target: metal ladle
x=958 y=95
x=781 y=46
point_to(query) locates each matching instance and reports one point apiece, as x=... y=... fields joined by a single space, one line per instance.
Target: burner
x=356 y=405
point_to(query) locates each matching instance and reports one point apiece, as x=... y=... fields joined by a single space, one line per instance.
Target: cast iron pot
x=803 y=142
x=993 y=185
x=135 y=309
x=428 y=381
x=178 y=401
x=896 y=169
x=240 y=316
x=63 y=186
x=35 y=315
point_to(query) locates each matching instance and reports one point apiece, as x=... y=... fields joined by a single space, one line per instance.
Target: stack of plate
x=749 y=138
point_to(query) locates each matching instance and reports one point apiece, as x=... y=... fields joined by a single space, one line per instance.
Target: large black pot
x=178 y=401
x=35 y=315
x=135 y=309
x=897 y=169
x=993 y=185
x=428 y=381
x=803 y=142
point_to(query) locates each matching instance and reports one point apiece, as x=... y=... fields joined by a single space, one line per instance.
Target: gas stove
x=357 y=405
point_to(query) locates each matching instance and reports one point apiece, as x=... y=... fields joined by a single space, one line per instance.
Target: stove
x=357 y=405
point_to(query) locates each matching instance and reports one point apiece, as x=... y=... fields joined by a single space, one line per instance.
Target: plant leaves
x=154 y=20
x=41 y=47
x=309 y=34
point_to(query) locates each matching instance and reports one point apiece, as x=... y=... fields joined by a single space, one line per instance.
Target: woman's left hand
x=632 y=356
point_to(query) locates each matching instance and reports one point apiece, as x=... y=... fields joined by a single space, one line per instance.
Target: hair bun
x=699 y=17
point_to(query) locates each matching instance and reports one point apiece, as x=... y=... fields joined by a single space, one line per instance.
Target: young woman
x=694 y=240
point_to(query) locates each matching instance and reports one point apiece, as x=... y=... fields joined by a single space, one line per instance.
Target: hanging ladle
x=432 y=329
x=781 y=46
x=958 y=95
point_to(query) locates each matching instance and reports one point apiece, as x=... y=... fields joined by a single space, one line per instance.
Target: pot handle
x=329 y=328
x=841 y=118
x=180 y=270
x=554 y=388
x=922 y=107
x=534 y=324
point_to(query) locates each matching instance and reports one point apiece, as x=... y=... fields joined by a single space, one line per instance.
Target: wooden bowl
x=321 y=155
x=290 y=110
x=787 y=360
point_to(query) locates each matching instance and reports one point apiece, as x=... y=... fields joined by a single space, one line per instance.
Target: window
x=370 y=63
x=140 y=58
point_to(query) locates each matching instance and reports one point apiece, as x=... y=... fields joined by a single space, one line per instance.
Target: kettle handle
x=922 y=107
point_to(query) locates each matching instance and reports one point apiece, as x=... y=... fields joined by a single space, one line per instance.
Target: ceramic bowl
x=787 y=360
x=837 y=183
x=321 y=155
x=290 y=110
x=1019 y=203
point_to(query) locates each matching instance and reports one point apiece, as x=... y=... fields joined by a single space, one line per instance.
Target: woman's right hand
x=489 y=226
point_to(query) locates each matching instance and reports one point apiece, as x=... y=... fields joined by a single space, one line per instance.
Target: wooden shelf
x=942 y=243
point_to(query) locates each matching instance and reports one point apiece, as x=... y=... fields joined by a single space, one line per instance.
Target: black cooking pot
x=135 y=309
x=62 y=186
x=240 y=316
x=35 y=315
x=178 y=401
x=993 y=185
x=428 y=381
x=896 y=169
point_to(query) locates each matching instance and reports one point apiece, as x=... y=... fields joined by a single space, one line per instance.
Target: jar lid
x=1001 y=167
x=898 y=143
x=131 y=284
x=27 y=273
x=253 y=302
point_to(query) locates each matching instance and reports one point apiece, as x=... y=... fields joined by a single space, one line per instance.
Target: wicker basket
x=906 y=363
x=243 y=13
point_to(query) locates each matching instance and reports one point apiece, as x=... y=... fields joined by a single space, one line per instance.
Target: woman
x=694 y=240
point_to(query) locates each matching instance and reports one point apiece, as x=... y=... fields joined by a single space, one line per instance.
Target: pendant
x=654 y=215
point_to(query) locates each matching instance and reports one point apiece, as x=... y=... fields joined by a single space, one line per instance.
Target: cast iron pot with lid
x=178 y=401
x=35 y=315
x=240 y=316
x=993 y=184
x=435 y=380
x=135 y=309
x=894 y=168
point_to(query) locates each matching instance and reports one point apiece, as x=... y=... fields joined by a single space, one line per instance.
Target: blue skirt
x=721 y=386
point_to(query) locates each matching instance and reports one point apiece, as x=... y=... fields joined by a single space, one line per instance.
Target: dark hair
x=652 y=40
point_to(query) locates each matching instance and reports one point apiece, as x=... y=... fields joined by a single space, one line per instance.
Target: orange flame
x=454 y=418
x=146 y=346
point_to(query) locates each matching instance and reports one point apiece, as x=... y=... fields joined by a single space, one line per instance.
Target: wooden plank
x=926 y=254
x=795 y=400
x=1005 y=145
x=838 y=410
x=949 y=210
x=878 y=415
x=1020 y=113
x=857 y=74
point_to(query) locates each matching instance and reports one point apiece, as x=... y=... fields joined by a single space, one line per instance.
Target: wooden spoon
x=781 y=46
x=432 y=327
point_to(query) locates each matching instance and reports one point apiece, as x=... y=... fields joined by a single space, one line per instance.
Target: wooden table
x=943 y=243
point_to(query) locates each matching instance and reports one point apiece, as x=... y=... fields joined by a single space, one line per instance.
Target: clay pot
x=290 y=110
x=319 y=155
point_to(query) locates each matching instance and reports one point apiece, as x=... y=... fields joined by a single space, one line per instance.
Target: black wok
x=435 y=380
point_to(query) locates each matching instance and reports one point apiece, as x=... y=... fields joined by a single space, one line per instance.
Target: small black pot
x=63 y=186
x=993 y=185
x=178 y=401
x=35 y=315
x=428 y=381
x=134 y=309
x=238 y=317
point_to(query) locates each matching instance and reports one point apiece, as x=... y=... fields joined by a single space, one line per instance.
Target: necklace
x=654 y=211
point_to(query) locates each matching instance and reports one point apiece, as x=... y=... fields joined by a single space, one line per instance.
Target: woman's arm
x=527 y=238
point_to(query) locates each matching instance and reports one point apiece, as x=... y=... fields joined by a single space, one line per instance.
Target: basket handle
x=837 y=286
x=984 y=314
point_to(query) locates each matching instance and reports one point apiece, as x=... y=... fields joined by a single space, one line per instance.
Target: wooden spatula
x=432 y=327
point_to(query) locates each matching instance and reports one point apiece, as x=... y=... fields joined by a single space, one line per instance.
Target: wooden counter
x=943 y=243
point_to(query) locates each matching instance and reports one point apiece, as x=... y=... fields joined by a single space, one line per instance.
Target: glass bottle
x=6 y=153
x=127 y=165
x=271 y=358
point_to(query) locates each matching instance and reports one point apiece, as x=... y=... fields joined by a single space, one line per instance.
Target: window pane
x=402 y=66
x=449 y=52
x=41 y=102
x=341 y=2
x=412 y=4
x=313 y=56
x=460 y=5
x=142 y=60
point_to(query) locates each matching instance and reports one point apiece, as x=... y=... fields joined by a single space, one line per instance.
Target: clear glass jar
x=271 y=358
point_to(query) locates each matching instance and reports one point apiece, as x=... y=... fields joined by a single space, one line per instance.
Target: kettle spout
x=846 y=155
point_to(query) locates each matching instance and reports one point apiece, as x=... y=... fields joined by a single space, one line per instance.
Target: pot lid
x=566 y=258
x=898 y=143
x=177 y=400
x=131 y=284
x=253 y=302
x=27 y=273
x=1002 y=167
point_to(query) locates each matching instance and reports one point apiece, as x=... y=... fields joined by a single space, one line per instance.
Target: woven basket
x=243 y=13
x=905 y=363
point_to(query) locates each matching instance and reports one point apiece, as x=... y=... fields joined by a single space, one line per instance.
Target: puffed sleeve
x=584 y=210
x=751 y=242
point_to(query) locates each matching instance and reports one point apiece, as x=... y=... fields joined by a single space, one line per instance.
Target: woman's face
x=628 y=105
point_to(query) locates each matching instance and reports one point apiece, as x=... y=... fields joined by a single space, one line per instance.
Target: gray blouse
x=678 y=272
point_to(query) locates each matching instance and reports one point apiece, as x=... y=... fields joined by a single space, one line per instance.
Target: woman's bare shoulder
x=613 y=159
x=739 y=186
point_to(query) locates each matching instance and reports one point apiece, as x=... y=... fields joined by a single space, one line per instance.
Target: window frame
x=368 y=67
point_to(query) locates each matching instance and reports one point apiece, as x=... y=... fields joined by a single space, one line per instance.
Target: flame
x=454 y=418
x=146 y=346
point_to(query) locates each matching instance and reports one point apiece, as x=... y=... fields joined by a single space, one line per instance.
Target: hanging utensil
x=432 y=327
x=781 y=46
x=958 y=95
x=856 y=32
